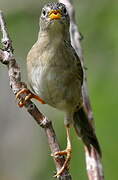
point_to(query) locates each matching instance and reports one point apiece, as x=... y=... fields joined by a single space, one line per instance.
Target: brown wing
x=77 y=61
x=79 y=66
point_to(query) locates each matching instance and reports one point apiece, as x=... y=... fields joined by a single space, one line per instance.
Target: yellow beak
x=55 y=14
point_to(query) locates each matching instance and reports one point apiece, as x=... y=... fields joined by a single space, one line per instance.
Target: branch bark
x=93 y=161
x=7 y=58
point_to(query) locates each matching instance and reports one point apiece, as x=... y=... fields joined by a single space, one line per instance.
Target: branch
x=7 y=58
x=93 y=161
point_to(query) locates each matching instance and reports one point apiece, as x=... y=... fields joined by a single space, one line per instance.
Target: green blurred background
x=24 y=153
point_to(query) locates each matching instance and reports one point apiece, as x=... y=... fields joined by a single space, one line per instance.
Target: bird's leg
x=66 y=152
x=29 y=95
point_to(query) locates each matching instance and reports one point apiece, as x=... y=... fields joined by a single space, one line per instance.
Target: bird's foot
x=28 y=95
x=67 y=153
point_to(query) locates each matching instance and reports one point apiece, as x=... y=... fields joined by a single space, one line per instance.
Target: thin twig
x=7 y=57
x=93 y=161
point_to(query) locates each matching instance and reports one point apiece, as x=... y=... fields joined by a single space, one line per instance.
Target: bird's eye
x=44 y=12
x=65 y=11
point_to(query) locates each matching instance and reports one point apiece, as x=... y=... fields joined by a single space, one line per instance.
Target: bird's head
x=54 y=18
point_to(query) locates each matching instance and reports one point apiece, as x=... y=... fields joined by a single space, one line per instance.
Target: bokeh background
x=24 y=153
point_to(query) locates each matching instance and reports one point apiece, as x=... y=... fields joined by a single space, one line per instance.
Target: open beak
x=55 y=14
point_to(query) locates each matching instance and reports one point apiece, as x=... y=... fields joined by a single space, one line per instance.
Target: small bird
x=55 y=75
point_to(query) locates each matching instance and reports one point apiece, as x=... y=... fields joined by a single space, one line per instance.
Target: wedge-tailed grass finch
x=56 y=76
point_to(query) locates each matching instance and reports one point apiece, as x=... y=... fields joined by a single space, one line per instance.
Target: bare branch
x=7 y=57
x=93 y=161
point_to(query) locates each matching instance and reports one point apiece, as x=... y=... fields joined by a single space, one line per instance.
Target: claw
x=29 y=96
x=66 y=152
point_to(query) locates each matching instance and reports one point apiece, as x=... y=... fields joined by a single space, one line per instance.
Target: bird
x=55 y=75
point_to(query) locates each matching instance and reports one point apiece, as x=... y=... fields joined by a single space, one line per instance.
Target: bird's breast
x=53 y=78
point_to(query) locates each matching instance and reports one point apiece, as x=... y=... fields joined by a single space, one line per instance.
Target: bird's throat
x=52 y=38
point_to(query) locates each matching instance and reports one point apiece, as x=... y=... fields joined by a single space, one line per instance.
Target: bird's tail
x=85 y=130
